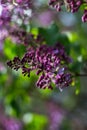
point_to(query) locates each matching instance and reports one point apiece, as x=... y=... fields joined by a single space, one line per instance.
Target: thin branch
x=80 y=75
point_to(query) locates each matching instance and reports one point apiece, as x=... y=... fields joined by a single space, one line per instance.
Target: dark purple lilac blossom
x=71 y=5
x=21 y=36
x=50 y=63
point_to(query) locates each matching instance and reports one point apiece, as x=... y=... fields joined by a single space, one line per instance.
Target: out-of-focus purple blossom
x=10 y=8
x=84 y=17
x=44 y=18
x=14 y=13
x=12 y=124
x=8 y=123
x=5 y=14
x=49 y=63
x=2 y=68
x=56 y=115
x=21 y=36
x=3 y=35
x=71 y=5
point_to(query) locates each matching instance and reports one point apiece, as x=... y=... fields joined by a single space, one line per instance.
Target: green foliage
x=37 y=122
x=19 y=94
x=52 y=35
x=12 y=49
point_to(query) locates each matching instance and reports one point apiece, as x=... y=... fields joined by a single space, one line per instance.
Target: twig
x=80 y=75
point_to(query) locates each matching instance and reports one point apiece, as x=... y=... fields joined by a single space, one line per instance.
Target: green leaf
x=50 y=34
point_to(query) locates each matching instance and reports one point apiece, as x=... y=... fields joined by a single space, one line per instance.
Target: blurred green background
x=32 y=108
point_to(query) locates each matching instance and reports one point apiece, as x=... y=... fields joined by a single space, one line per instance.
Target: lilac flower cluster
x=49 y=63
x=13 y=13
x=21 y=36
x=8 y=9
x=71 y=5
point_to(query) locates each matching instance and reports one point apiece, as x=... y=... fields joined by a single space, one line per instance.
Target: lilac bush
x=48 y=56
x=50 y=63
